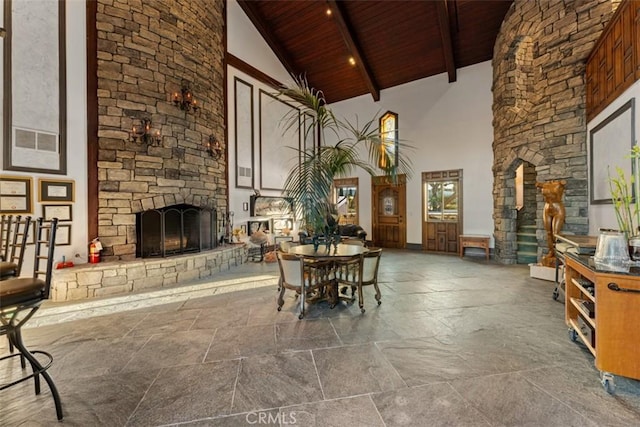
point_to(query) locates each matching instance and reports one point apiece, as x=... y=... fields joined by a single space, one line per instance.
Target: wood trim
x=237 y=80
x=8 y=116
x=445 y=36
x=92 y=119
x=252 y=71
x=62 y=95
x=614 y=63
x=341 y=20
x=225 y=102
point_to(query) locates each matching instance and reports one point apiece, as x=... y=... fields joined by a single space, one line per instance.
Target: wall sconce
x=214 y=148
x=144 y=134
x=185 y=99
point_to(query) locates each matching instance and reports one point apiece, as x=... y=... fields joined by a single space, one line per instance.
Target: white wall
x=449 y=126
x=76 y=137
x=603 y=216
x=246 y=43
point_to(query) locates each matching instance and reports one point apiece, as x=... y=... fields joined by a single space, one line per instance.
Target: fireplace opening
x=175 y=230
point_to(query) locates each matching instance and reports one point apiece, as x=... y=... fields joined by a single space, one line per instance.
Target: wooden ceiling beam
x=445 y=36
x=349 y=38
x=259 y=22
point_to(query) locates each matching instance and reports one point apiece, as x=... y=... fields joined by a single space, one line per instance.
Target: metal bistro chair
x=365 y=273
x=20 y=298
x=15 y=243
x=5 y=227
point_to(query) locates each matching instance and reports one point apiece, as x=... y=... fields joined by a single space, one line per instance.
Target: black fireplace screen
x=175 y=230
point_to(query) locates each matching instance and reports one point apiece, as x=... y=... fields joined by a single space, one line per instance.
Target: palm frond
x=310 y=182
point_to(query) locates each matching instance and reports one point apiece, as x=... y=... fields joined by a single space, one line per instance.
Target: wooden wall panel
x=614 y=63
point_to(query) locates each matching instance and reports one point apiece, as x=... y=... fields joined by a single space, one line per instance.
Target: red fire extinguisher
x=94 y=251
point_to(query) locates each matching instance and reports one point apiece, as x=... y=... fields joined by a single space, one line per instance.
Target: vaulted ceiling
x=390 y=42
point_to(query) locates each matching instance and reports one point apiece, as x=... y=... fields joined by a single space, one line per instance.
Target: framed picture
x=243 y=109
x=279 y=140
x=610 y=146
x=35 y=132
x=62 y=212
x=63 y=235
x=54 y=190
x=15 y=194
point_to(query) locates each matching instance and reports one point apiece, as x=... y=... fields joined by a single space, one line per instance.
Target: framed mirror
x=345 y=199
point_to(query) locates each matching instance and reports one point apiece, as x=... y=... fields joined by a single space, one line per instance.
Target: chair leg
x=281 y=297
x=11 y=349
x=378 y=295
x=360 y=298
x=36 y=365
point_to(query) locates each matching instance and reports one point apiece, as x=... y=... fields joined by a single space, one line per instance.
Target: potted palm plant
x=309 y=183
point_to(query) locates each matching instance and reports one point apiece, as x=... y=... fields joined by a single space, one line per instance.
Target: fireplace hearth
x=175 y=230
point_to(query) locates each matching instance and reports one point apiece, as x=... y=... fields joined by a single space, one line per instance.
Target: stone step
x=527 y=228
x=528 y=247
x=526 y=258
x=526 y=237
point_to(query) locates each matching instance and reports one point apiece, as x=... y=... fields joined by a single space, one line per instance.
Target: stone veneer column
x=539 y=107
x=145 y=49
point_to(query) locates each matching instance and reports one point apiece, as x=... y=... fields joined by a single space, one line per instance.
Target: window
x=389 y=140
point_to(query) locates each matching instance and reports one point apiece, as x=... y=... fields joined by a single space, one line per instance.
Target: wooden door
x=441 y=210
x=389 y=211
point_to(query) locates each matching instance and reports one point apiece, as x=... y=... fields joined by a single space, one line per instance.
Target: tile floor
x=456 y=342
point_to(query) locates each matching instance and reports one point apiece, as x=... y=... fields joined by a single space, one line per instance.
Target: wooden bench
x=474 y=241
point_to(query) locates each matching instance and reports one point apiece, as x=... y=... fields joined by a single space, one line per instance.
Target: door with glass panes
x=441 y=210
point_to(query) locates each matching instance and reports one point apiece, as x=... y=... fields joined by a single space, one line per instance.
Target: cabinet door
x=617 y=321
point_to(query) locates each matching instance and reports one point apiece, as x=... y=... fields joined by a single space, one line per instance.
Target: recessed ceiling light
x=328 y=12
x=352 y=61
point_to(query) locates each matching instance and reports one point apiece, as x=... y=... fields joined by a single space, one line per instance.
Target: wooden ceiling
x=392 y=42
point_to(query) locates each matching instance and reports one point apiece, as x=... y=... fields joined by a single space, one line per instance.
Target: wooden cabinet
x=603 y=310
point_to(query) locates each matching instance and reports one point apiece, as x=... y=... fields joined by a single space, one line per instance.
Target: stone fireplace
x=145 y=50
x=539 y=108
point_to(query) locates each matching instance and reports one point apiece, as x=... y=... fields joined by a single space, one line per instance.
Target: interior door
x=389 y=212
x=442 y=210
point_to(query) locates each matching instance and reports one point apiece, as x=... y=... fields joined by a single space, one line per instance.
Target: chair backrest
x=43 y=264
x=19 y=241
x=370 y=263
x=5 y=236
x=291 y=268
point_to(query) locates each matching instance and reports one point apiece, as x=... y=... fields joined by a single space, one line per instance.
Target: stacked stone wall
x=145 y=50
x=539 y=107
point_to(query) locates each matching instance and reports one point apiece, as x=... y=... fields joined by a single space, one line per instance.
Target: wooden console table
x=474 y=241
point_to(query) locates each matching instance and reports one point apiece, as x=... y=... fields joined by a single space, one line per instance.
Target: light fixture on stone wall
x=144 y=134
x=184 y=99
x=213 y=147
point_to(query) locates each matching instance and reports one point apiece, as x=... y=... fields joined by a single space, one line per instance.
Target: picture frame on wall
x=15 y=195
x=54 y=190
x=63 y=235
x=610 y=144
x=35 y=134
x=62 y=212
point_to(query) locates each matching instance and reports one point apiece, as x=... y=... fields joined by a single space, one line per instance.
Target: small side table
x=474 y=241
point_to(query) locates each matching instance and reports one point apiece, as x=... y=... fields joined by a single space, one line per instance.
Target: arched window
x=389 y=139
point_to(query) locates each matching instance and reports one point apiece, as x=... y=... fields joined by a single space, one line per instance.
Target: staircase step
x=526 y=237
x=523 y=258
x=527 y=246
x=529 y=228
